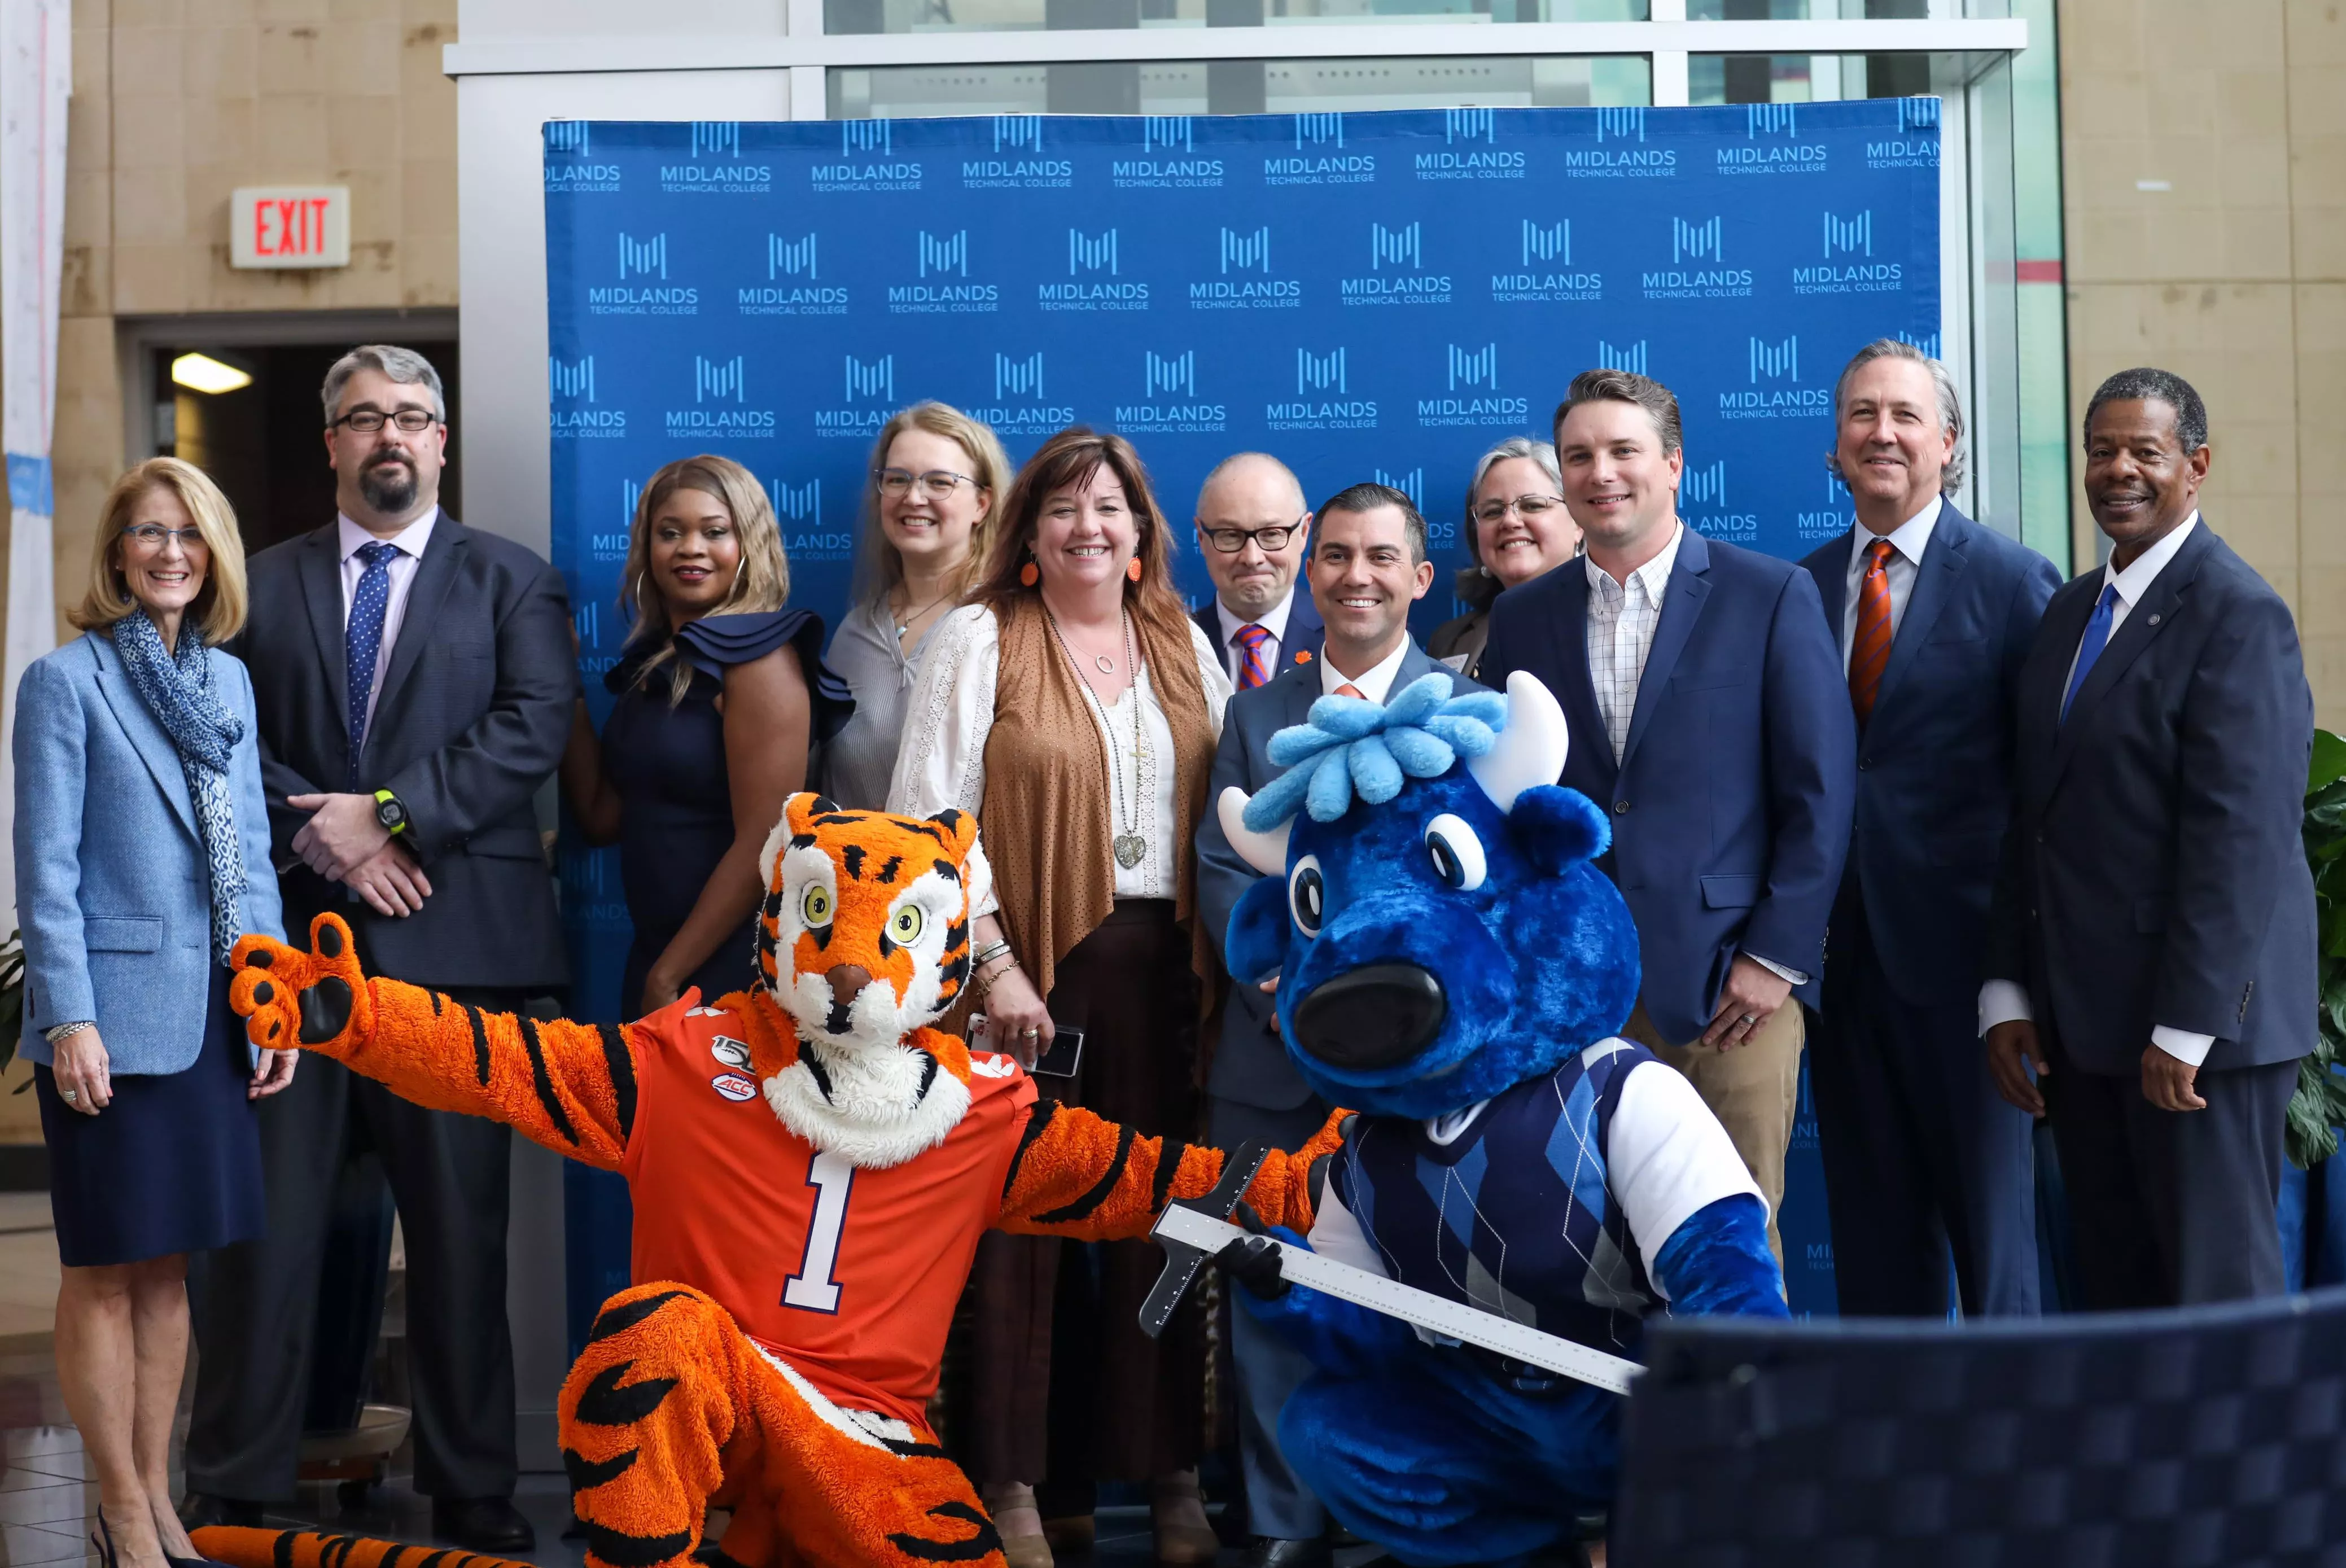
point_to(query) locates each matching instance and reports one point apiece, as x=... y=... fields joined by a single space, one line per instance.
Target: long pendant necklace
x=1127 y=844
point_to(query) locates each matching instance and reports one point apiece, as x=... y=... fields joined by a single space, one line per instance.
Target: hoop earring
x=1132 y=569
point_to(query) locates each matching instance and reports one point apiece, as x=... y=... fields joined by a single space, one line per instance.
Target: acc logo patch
x=734 y=1086
x=992 y=1065
x=729 y=1050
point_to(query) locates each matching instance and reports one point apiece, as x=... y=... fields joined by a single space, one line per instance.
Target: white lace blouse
x=940 y=760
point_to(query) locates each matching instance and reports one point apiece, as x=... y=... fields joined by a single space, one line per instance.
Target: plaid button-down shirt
x=1621 y=621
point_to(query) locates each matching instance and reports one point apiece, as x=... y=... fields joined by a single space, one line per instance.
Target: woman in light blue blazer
x=142 y=853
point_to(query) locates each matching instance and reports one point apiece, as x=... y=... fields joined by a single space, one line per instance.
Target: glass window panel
x=1244 y=86
x=1026 y=16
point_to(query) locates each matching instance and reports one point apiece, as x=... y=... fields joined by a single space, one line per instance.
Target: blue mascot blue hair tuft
x=1350 y=746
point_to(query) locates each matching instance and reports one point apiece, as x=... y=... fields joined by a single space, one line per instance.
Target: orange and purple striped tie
x=1869 y=653
x=1254 y=670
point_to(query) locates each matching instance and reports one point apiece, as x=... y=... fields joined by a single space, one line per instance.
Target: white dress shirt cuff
x=2181 y=1043
x=2001 y=1001
x=1777 y=969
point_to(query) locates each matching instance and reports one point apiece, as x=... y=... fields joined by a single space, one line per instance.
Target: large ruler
x=1205 y=1234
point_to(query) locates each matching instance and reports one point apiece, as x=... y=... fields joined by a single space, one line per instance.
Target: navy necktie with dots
x=362 y=638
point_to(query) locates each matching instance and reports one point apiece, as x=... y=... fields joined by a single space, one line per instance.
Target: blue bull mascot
x=1453 y=966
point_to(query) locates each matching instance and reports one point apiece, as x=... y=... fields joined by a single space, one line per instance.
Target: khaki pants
x=1753 y=1089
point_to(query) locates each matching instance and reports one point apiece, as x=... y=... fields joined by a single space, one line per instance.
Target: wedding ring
x=1749 y=1019
x=68 y=1095
x=1030 y=1034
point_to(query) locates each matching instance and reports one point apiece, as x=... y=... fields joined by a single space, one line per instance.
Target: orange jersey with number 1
x=849 y=1275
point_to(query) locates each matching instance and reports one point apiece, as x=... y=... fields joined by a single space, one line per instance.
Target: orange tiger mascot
x=812 y=1166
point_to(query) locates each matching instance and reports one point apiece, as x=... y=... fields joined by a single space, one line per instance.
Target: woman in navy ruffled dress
x=721 y=693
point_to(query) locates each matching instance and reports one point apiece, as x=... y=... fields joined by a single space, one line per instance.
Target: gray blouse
x=857 y=761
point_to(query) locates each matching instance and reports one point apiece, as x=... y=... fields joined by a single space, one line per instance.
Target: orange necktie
x=1869 y=653
x=1349 y=689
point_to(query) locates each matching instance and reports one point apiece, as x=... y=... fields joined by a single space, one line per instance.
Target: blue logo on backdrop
x=1916 y=143
x=1849 y=267
x=1462 y=158
x=1168 y=158
x=571 y=167
x=1018 y=407
x=1692 y=244
x=1174 y=379
x=574 y=415
x=1546 y=275
x=1396 y=274
x=770 y=325
x=1017 y=162
x=644 y=287
x=716 y=166
x=867 y=161
x=1838 y=516
x=1320 y=158
x=1772 y=144
x=1092 y=282
x=944 y=257
x=1703 y=503
x=793 y=285
x=1620 y=152
x=1243 y=253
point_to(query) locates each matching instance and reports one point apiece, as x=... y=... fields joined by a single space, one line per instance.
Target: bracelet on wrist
x=58 y=1033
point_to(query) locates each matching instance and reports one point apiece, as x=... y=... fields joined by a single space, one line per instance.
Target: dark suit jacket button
x=1620 y=807
x=2040 y=837
x=1863 y=763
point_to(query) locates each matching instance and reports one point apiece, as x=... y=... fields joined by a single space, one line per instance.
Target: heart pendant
x=1130 y=847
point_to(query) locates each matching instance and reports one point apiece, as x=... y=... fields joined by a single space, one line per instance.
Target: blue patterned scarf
x=177 y=689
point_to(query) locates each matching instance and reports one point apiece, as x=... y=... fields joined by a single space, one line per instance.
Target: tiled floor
x=47 y=1509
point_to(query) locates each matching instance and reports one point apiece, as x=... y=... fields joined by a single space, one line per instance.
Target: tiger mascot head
x=1428 y=899
x=862 y=942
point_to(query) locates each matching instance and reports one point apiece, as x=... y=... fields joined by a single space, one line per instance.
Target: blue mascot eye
x=1307 y=894
x=1457 y=853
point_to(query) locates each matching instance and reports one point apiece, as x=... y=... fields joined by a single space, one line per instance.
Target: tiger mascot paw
x=286 y=996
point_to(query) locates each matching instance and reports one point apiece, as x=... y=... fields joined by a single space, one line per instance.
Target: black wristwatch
x=390 y=812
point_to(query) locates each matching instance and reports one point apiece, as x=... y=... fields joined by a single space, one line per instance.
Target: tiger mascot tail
x=312 y=1549
x=811 y=1164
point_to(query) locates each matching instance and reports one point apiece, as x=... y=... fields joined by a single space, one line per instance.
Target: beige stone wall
x=2234 y=278
x=177 y=102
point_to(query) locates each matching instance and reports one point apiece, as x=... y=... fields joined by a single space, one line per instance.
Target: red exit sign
x=290 y=226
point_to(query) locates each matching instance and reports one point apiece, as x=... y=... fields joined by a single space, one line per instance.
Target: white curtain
x=35 y=74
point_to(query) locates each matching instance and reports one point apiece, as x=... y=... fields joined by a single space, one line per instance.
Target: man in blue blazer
x=1706 y=708
x=1934 y=615
x=2151 y=949
x=414 y=680
x=1252 y=526
x=1368 y=565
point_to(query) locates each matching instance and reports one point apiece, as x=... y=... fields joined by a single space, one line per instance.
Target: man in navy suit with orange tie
x=1934 y=615
x=2151 y=948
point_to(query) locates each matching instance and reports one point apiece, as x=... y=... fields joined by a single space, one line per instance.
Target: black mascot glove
x=1253 y=1259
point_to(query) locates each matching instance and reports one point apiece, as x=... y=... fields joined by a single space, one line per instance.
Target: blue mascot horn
x=1427 y=898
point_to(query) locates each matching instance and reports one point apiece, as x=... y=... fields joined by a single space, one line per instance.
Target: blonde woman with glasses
x=938 y=479
x=1516 y=528
x=142 y=854
x=722 y=694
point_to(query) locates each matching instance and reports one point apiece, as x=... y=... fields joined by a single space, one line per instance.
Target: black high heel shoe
x=105 y=1554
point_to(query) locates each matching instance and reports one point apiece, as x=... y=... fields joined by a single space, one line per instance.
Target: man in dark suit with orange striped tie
x=1923 y=1160
x=1253 y=528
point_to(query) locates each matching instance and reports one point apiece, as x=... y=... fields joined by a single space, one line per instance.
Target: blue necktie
x=362 y=637
x=2097 y=638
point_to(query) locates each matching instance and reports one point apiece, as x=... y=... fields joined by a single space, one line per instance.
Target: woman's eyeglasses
x=1527 y=507
x=154 y=537
x=936 y=484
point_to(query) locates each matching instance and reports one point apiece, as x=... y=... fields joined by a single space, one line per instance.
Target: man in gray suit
x=1367 y=566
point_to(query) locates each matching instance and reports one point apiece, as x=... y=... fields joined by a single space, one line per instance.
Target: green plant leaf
x=2329 y=761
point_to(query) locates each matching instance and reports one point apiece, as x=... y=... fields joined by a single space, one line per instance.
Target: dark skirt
x=1062 y=1384
x=732 y=967
x=172 y=1164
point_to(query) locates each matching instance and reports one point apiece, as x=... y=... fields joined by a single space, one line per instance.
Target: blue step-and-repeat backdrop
x=1368 y=296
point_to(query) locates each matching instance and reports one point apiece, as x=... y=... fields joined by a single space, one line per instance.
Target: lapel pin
x=1302 y=656
x=2154 y=620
